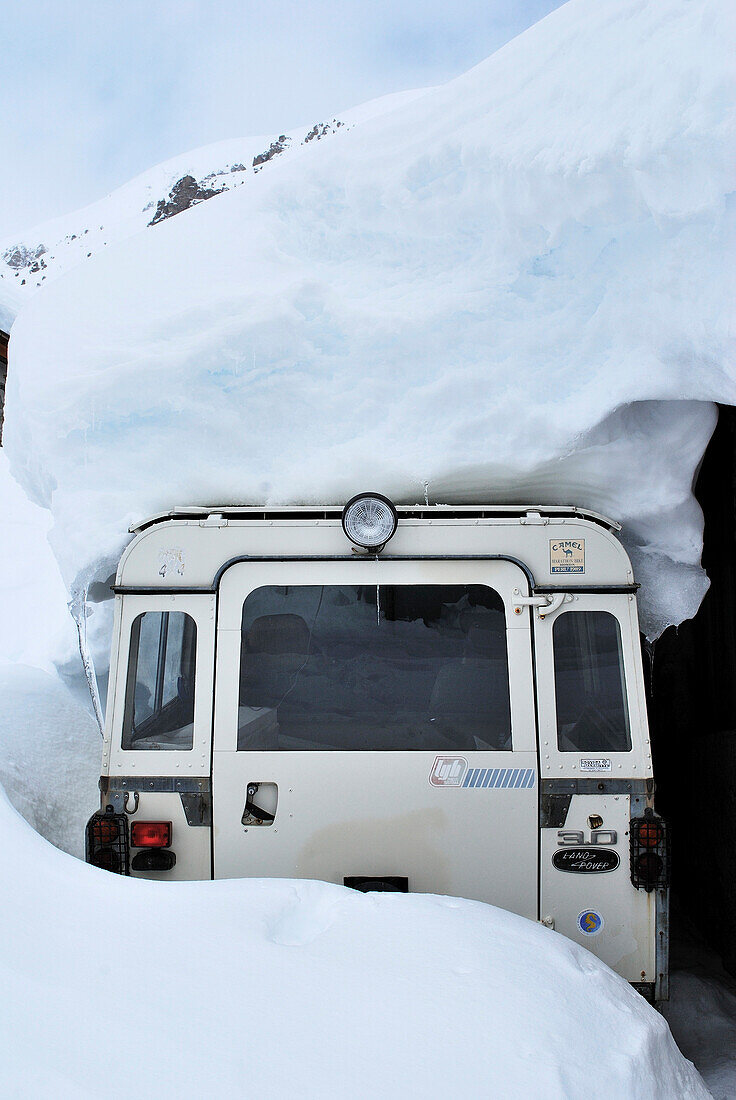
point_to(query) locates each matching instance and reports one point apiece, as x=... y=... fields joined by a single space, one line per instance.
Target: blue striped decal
x=518 y=778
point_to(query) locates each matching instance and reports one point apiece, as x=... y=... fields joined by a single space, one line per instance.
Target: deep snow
x=35 y=626
x=50 y=749
x=282 y=989
x=702 y=1016
x=513 y=286
x=98 y=951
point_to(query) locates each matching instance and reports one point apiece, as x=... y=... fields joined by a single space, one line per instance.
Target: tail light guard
x=649 y=852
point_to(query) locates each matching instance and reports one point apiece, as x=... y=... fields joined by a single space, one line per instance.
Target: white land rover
x=438 y=699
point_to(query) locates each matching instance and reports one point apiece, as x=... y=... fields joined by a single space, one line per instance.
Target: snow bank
x=35 y=625
x=9 y=305
x=49 y=754
x=513 y=286
x=285 y=989
x=702 y=1015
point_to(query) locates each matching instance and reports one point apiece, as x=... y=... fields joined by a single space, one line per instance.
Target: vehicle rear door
x=375 y=720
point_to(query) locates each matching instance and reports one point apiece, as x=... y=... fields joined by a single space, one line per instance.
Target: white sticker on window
x=595 y=764
x=171 y=561
x=567 y=555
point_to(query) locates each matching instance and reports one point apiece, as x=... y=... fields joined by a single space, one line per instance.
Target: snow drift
x=49 y=754
x=304 y=989
x=35 y=627
x=513 y=286
x=702 y=1015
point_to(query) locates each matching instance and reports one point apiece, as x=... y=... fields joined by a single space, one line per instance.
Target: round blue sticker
x=590 y=923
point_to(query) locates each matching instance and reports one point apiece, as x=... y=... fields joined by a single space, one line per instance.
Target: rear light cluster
x=108 y=847
x=649 y=844
x=106 y=842
x=153 y=837
x=150 y=834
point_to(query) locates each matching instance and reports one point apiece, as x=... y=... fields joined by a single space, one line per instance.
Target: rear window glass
x=592 y=715
x=374 y=667
x=159 y=696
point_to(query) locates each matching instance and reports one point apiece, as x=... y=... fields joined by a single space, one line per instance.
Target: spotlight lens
x=369 y=520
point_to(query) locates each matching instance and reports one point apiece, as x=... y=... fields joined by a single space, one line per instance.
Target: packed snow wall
x=511 y=287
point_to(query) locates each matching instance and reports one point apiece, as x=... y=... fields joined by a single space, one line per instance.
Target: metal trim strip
x=592 y=589
x=180 y=784
x=596 y=786
x=155 y=590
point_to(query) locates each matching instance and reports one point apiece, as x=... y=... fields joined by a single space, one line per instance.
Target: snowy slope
x=514 y=286
x=285 y=989
x=48 y=250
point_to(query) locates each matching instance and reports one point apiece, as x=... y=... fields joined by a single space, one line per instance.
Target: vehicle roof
x=406 y=511
x=189 y=548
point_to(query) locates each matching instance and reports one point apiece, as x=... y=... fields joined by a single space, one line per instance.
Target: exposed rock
x=211 y=176
x=186 y=192
x=20 y=255
x=237 y=168
x=321 y=129
x=274 y=149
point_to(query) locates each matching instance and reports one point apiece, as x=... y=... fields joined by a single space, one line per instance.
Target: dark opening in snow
x=692 y=689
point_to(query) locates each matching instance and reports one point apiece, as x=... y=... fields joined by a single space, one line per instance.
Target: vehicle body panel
x=493 y=835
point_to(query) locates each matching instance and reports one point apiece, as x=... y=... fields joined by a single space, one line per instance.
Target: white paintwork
x=190 y=762
x=626 y=941
x=206 y=548
x=636 y=764
x=341 y=814
x=190 y=843
x=375 y=813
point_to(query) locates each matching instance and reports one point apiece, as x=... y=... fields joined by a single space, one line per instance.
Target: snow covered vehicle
x=436 y=699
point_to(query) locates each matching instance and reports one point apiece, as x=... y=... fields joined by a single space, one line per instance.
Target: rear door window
x=590 y=690
x=159 y=698
x=367 y=667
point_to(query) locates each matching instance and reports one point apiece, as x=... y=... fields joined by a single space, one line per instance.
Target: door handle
x=256 y=812
x=253 y=814
x=545 y=604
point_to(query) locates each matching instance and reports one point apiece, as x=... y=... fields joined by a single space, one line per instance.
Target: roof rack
x=405 y=511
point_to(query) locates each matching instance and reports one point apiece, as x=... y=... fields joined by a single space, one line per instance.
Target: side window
x=592 y=715
x=159 y=692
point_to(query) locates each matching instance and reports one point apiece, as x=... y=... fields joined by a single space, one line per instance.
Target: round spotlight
x=369 y=520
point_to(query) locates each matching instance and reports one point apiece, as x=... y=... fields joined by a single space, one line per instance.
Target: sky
x=92 y=92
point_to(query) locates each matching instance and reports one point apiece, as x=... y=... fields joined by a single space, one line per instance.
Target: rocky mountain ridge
x=48 y=250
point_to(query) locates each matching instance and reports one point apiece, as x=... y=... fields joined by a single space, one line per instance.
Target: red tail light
x=649 y=852
x=106 y=842
x=650 y=834
x=105 y=830
x=150 y=834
